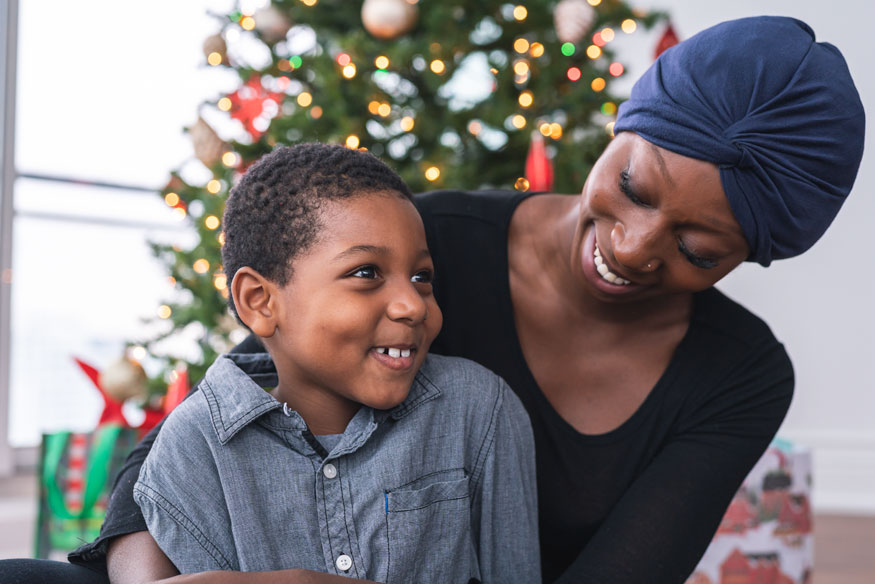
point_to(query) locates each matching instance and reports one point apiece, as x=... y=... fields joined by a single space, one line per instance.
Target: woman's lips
x=597 y=271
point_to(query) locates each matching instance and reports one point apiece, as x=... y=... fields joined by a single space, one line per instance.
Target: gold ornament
x=216 y=44
x=208 y=147
x=123 y=380
x=573 y=19
x=389 y=19
x=271 y=23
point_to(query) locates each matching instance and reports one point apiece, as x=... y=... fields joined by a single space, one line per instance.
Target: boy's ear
x=252 y=298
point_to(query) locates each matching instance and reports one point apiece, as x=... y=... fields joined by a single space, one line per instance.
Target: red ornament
x=253 y=105
x=112 y=409
x=539 y=168
x=668 y=39
x=176 y=391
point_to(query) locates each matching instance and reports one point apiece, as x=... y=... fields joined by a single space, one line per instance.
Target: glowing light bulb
x=214 y=58
x=171 y=199
x=304 y=99
x=316 y=112
x=214 y=186
x=475 y=127
x=164 y=311
x=518 y=121
x=521 y=184
x=407 y=123
x=296 y=61
x=609 y=128
x=138 y=353
x=629 y=26
x=349 y=71
x=594 y=2
x=536 y=50
x=432 y=173
x=598 y=84
x=343 y=59
x=521 y=45
x=544 y=129
x=201 y=266
x=526 y=99
x=616 y=69
x=520 y=12
x=384 y=109
x=224 y=104
x=573 y=74
x=230 y=159
x=352 y=141
x=221 y=238
x=521 y=67
x=373 y=107
x=437 y=66
x=608 y=34
x=247 y=23
x=597 y=40
x=567 y=49
x=593 y=52
x=555 y=131
x=220 y=281
x=381 y=62
x=609 y=108
x=211 y=222
x=309 y=2
x=179 y=213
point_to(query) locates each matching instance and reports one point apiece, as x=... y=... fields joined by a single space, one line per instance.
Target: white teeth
x=405 y=352
x=395 y=353
x=605 y=272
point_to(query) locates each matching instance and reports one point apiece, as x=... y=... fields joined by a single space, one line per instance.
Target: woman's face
x=653 y=222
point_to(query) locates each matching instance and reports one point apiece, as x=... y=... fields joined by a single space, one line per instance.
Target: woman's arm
x=662 y=525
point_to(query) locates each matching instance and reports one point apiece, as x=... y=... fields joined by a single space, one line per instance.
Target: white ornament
x=123 y=380
x=573 y=19
x=389 y=19
x=271 y=23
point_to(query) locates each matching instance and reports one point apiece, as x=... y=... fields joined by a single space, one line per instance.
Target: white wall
x=821 y=304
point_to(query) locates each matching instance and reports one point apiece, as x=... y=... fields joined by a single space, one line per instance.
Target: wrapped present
x=766 y=535
x=77 y=471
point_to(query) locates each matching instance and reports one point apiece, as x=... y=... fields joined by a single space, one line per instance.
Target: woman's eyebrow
x=663 y=169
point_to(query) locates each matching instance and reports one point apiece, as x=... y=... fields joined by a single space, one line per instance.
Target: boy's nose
x=636 y=244
x=407 y=304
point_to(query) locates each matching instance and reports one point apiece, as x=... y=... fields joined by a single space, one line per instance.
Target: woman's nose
x=637 y=244
x=407 y=304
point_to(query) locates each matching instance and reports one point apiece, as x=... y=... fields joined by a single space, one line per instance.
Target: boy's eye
x=423 y=277
x=698 y=261
x=369 y=272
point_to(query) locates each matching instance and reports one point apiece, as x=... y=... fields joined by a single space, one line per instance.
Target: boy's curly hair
x=271 y=216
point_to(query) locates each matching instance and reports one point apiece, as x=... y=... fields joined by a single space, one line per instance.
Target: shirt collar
x=233 y=387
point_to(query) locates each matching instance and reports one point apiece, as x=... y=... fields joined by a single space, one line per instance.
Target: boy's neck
x=323 y=414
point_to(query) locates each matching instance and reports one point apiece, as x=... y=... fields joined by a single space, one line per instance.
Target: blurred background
x=96 y=96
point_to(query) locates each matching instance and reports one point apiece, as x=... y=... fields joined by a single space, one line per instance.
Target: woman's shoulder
x=484 y=205
x=715 y=311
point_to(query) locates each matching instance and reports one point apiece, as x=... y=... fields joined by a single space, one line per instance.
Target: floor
x=844 y=544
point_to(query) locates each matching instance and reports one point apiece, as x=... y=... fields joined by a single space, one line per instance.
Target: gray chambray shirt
x=439 y=489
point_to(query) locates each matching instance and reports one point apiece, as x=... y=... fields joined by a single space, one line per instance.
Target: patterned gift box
x=766 y=535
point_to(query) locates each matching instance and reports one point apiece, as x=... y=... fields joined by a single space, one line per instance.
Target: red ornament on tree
x=668 y=39
x=539 y=168
x=253 y=105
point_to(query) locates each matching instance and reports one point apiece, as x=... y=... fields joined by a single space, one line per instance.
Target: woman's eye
x=698 y=261
x=423 y=277
x=625 y=186
x=369 y=272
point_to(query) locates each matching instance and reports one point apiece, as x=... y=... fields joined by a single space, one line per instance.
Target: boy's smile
x=355 y=321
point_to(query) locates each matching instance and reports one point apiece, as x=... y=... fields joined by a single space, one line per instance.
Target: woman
x=651 y=394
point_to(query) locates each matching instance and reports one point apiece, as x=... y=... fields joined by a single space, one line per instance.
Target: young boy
x=365 y=458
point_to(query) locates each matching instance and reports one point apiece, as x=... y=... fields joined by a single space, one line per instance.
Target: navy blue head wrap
x=777 y=112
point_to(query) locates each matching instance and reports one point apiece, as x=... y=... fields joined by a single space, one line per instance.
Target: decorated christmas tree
x=450 y=93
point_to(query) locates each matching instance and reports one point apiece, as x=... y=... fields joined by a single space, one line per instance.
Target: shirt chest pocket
x=429 y=531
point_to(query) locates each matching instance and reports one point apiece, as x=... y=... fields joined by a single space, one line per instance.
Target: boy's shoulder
x=464 y=383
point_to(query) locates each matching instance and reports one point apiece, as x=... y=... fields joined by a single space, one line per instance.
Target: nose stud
x=649 y=265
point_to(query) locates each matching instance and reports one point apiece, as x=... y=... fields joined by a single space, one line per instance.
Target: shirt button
x=330 y=471
x=343 y=563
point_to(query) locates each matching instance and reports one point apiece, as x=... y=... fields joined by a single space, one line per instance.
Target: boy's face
x=357 y=317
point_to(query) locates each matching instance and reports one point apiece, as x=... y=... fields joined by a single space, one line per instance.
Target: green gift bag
x=77 y=471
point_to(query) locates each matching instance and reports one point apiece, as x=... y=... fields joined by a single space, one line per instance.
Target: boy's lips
x=397 y=357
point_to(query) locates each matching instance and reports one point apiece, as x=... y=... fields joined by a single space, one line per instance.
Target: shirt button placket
x=336 y=518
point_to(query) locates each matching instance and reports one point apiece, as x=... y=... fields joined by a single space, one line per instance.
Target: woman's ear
x=252 y=297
